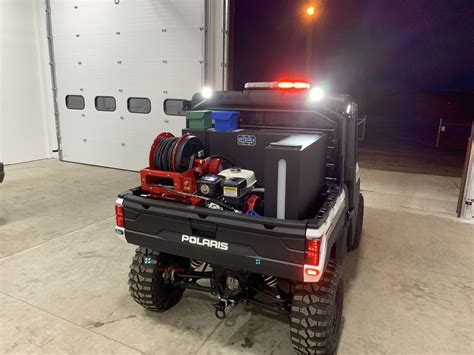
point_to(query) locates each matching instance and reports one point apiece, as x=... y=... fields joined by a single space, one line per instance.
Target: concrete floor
x=63 y=274
x=410 y=156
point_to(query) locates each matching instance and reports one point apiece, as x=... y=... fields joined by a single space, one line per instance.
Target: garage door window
x=139 y=105
x=105 y=103
x=75 y=102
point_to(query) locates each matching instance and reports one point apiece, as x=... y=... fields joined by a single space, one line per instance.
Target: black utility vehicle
x=261 y=209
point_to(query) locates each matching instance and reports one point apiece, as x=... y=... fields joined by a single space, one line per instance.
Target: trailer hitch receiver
x=221 y=306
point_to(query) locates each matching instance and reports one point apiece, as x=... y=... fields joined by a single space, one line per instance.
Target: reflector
x=311 y=272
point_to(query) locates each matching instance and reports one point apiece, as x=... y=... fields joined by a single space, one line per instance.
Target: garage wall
x=152 y=49
x=27 y=130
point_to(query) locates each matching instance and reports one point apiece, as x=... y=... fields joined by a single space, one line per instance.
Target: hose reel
x=176 y=154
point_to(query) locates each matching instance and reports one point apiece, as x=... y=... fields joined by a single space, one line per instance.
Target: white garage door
x=116 y=61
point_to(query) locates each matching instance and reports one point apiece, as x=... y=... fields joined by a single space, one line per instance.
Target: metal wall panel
x=136 y=48
x=26 y=106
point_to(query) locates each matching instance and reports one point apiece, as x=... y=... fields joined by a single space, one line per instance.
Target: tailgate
x=258 y=244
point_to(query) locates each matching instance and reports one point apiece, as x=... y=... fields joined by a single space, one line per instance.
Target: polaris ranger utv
x=258 y=201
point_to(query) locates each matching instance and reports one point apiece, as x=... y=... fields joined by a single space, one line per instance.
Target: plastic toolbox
x=225 y=120
x=199 y=119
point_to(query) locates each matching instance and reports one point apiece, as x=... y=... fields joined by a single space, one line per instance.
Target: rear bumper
x=239 y=257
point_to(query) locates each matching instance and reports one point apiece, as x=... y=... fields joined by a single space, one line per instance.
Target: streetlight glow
x=310 y=10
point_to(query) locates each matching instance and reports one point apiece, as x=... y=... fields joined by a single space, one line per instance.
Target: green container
x=199 y=119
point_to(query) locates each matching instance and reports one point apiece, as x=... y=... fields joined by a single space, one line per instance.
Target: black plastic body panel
x=257 y=244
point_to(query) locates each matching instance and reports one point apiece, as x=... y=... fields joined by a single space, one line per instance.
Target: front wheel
x=316 y=313
x=152 y=279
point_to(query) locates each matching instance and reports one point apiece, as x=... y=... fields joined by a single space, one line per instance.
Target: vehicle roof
x=270 y=100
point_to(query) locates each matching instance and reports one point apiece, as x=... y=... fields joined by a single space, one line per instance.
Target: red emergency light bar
x=279 y=85
x=298 y=85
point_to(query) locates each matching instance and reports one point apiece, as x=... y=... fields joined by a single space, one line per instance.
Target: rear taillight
x=119 y=215
x=312 y=270
x=311 y=256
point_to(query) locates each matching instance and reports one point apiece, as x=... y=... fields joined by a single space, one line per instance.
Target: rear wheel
x=360 y=220
x=316 y=313
x=152 y=279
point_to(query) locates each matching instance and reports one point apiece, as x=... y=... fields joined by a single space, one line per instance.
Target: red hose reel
x=175 y=163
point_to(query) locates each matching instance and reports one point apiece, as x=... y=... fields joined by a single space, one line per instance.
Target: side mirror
x=176 y=107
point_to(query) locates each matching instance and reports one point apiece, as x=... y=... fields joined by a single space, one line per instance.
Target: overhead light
x=316 y=94
x=348 y=108
x=310 y=10
x=206 y=92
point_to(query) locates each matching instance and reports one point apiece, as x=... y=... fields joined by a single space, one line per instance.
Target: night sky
x=411 y=45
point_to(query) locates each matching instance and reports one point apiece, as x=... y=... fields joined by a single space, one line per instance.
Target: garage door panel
x=131 y=157
x=138 y=76
x=154 y=56
x=69 y=17
x=118 y=125
x=108 y=48
x=156 y=113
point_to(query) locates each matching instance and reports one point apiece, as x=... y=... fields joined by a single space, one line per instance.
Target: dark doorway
x=408 y=65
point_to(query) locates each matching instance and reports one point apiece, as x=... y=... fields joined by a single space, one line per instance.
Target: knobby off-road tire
x=316 y=313
x=360 y=220
x=149 y=279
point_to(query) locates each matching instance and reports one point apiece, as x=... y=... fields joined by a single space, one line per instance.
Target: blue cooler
x=225 y=120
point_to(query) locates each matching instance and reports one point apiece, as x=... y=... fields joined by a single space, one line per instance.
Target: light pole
x=310 y=13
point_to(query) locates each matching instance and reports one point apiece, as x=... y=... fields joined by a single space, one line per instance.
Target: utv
x=258 y=202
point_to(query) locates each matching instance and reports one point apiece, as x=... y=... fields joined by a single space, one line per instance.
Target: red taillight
x=119 y=215
x=312 y=252
x=298 y=85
